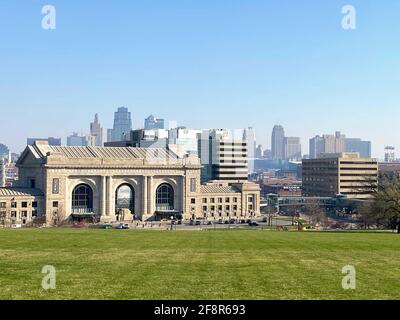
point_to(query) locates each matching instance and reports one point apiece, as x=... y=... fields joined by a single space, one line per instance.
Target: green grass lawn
x=224 y=264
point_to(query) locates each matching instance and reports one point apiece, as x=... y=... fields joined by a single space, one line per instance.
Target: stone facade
x=70 y=183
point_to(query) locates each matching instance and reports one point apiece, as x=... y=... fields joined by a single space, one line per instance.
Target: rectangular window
x=24 y=214
x=219 y=208
x=13 y=204
x=34 y=204
x=204 y=208
x=219 y=200
x=227 y=200
x=235 y=200
x=193 y=201
x=212 y=208
x=204 y=200
x=235 y=207
x=13 y=214
x=212 y=200
x=193 y=183
x=3 y=205
x=227 y=208
x=56 y=186
x=24 y=204
x=55 y=204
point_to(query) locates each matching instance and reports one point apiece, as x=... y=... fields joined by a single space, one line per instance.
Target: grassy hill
x=215 y=264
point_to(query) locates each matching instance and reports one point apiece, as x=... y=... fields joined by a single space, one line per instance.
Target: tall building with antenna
x=96 y=131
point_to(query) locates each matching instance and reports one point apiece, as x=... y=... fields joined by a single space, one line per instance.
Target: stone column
x=144 y=197
x=183 y=199
x=109 y=196
x=150 y=196
x=103 y=197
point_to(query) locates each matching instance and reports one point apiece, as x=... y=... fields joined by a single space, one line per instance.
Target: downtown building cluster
x=164 y=170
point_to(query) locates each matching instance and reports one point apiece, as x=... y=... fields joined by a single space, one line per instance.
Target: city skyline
x=204 y=65
x=83 y=137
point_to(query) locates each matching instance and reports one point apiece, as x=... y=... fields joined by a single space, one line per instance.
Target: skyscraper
x=360 y=146
x=152 y=123
x=4 y=151
x=277 y=143
x=109 y=135
x=259 y=152
x=328 y=143
x=223 y=155
x=122 y=124
x=250 y=138
x=97 y=131
x=292 y=148
x=76 y=140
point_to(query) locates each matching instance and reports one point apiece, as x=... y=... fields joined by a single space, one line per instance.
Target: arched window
x=165 y=198
x=125 y=198
x=82 y=199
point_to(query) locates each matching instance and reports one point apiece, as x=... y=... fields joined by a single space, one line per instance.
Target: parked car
x=198 y=223
x=16 y=226
x=122 y=226
x=232 y=221
x=253 y=224
x=220 y=221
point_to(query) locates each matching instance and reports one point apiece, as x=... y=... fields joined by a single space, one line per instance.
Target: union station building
x=111 y=184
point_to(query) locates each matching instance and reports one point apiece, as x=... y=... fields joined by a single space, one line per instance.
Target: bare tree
x=270 y=214
x=315 y=212
x=366 y=215
x=4 y=219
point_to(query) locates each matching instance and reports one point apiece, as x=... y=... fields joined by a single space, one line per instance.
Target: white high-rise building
x=292 y=148
x=250 y=137
x=224 y=155
x=328 y=143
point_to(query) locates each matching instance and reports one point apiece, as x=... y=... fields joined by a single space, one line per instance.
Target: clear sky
x=203 y=63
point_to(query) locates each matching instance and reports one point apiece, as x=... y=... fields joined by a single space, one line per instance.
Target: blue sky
x=204 y=63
